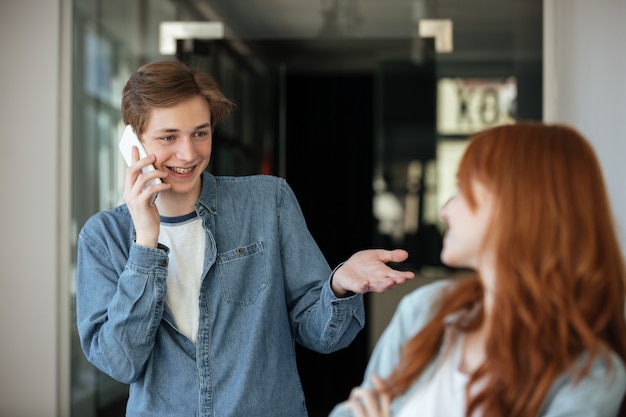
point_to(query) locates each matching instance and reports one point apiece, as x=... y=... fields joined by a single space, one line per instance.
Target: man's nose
x=186 y=150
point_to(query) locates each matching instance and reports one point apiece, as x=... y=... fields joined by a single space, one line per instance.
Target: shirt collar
x=208 y=194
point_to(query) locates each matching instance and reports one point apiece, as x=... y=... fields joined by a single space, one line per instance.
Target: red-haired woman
x=538 y=327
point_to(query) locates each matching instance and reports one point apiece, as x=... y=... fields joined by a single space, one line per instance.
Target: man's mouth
x=182 y=170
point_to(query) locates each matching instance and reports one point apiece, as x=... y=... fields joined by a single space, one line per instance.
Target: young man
x=197 y=301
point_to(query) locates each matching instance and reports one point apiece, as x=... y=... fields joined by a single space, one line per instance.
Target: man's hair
x=165 y=84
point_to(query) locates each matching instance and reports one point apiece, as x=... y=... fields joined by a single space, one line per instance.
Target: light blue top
x=265 y=286
x=599 y=394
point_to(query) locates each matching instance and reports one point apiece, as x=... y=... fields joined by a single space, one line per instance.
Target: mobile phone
x=128 y=140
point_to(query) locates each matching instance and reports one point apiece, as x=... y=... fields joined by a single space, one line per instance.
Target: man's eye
x=168 y=138
x=201 y=134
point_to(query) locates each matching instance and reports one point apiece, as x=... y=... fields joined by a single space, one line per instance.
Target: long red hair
x=560 y=271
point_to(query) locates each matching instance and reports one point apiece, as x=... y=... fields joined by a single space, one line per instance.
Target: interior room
x=363 y=106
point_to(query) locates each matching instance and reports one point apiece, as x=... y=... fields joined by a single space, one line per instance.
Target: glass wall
x=110 y=41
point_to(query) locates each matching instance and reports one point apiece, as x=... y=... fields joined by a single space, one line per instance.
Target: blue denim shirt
x=265 y=286
x=599 y=394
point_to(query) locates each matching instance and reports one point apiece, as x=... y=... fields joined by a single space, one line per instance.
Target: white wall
x=585 y=83
x=29 y=187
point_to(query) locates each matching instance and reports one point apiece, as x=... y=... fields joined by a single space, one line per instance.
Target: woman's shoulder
x=425 y=295
x=416 y=308
x=598 y=393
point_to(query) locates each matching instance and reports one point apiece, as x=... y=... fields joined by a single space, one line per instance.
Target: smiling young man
x=197 y=301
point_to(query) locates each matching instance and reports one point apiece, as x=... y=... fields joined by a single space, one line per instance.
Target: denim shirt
x=598 y=394
x=265 y=286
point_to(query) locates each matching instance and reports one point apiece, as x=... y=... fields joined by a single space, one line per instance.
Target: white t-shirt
x=444 y=394
x=186 y=239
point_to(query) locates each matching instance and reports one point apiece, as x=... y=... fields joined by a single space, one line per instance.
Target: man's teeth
x=181 y=170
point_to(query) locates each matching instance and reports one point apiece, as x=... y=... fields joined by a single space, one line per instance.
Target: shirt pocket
x=241 y=272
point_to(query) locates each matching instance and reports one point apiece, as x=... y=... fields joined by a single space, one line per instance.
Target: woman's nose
x=443 y=211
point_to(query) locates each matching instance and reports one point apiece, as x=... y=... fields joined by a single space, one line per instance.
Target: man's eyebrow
x=173 y=130
x=167 y=130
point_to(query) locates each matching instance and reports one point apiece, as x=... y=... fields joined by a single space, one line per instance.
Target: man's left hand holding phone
x=146 y=223
x=128 y=140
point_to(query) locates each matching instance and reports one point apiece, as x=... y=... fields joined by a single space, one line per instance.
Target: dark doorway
x=330 y=133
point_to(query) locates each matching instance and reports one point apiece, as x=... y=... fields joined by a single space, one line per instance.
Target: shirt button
x=163 y=263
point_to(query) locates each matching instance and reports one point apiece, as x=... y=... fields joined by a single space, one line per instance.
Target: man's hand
x=136 y=196
x=367 y=271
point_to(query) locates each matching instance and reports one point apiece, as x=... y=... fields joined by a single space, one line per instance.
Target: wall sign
x=468 y=105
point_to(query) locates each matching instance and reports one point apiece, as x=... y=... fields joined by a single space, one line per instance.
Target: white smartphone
x=130 y=139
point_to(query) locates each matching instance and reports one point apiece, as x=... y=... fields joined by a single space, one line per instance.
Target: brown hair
x=167 y=83
x=560 y=289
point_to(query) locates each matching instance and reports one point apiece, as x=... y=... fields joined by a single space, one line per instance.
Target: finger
x=399 y=276
x=377 y=383
x=391 y=277
x=369 y=401
x=139 y=181
x=134 y=154
x=395 y=255
x=385 y=405
x=399 y=255
x=379 y=286
x=387 y=272
x=355 y=404
x=134 y=171
x=145 y=177
x=384 y=401
x=355 y=407
x=140 y=164
x=363 y=287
